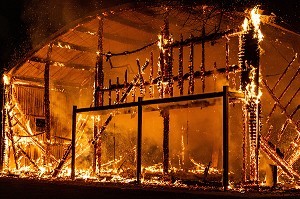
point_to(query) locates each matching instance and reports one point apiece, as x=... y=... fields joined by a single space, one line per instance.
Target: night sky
x=26 y=23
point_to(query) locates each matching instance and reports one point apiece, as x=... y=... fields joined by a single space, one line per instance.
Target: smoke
x=43 y=18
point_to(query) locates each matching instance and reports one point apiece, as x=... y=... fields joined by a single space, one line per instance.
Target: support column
x=203 y=60
x=180 y=67
x=2 y=124
x=98 y=94
x=225 y=138
x=166 y=116
x=139 y=142
x=191 y=69
x=47 y=104
x=74 y=120
x=249 y=57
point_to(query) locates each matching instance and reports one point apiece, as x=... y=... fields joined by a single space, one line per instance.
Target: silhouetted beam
x=200 y=39
x=38 y=82
x=139 y=26
x=114 y=37
x=197 y=75
x=152 y=102
x=61 y=64
x=192 y=104
x=67 y=45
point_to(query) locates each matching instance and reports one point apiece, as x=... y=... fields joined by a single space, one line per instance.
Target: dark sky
x=25 y=23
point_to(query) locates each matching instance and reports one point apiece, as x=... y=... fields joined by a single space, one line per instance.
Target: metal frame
x=225 y=94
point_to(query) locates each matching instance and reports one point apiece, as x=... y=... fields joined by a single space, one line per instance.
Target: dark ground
x=42 y=189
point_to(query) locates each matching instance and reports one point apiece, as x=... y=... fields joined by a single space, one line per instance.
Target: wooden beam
x=62 y=64
x=113 y=37
x=139 y=26
x=67 y=45
x=38 y=82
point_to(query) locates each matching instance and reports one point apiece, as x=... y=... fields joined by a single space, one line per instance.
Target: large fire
x=26 y=150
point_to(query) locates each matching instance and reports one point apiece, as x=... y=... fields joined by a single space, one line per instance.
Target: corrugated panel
x=30 y=100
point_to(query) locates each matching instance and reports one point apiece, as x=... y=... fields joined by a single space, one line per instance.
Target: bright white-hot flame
x=159 y=43
x=255 y=17
x=251 y=89
x=245 y=24
x=255 y=22
x=6 y=80
x=63 y=45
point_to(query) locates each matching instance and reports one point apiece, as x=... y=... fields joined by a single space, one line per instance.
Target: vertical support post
x=2 y=125
x=245 y=143
x=117 y=91
x=203 y=60
x=249 y=56
x=180 y=67
x=151 y=89
x=125 y=85
x=73 y=142
x=47 y=103
x=98 y=93
x=225 y=138
x=109 y=92
x=166 y=116
x=227 y=58
x=160 y=67
x=139 y=141
x=191 y=69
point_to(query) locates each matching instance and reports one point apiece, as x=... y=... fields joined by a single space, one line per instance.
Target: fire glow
x=106 y=152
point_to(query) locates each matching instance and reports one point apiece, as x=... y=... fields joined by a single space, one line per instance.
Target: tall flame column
x=249 y=56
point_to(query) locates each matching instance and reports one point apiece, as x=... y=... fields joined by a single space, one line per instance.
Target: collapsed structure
x=162 y=66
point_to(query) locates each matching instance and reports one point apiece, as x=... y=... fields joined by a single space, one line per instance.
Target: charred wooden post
x=249 y=56
x=170 y=72
x=125 y=84
x=245 y=144
x=227 y=58
x=191 y=69
x=166 y=116
x=11 y=137
x=139 y=141
x=47 y=103
x=109 y=92
x=141 y=79
x=73 y=142
x=117 y=91
x=151 y=89
x=3 y=116
x=167 y=59
x=225 y=138
x=98 y=93
x=133 y=94
x=203 y=60
x=180 y=67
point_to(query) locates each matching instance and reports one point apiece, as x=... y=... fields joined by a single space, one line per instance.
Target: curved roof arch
x=127 y=28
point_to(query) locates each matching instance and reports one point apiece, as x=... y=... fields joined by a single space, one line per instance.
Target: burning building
x=156 y=93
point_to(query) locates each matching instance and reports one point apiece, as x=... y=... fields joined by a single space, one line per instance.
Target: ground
x=11 y=187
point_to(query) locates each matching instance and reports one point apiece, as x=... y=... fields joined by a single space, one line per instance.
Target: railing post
x=139 y=141
x=73 y=142
x=225 y=138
